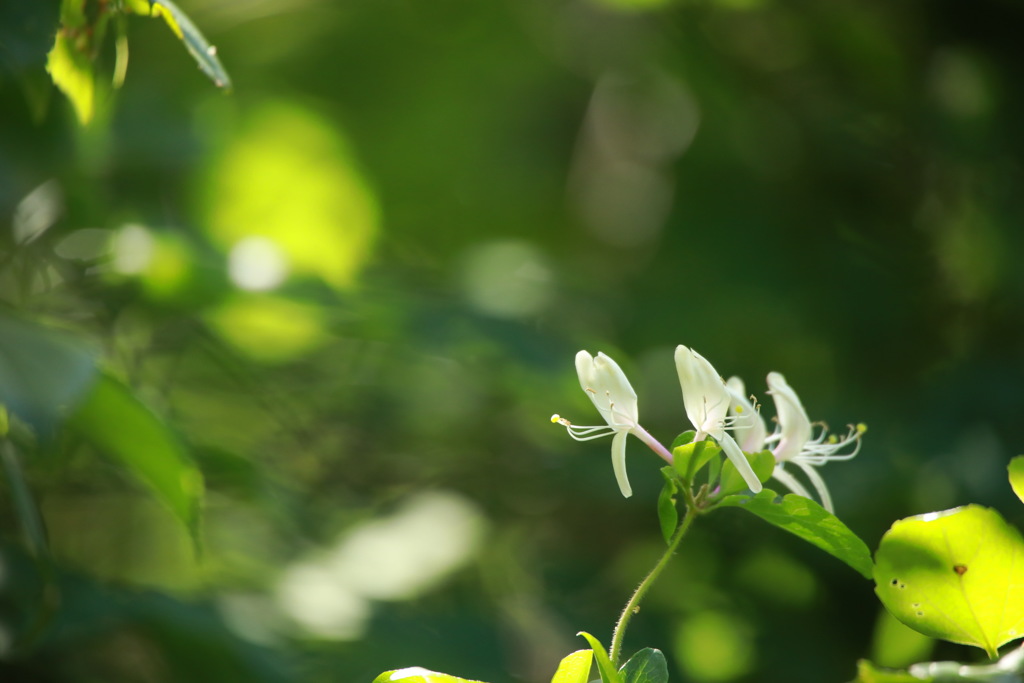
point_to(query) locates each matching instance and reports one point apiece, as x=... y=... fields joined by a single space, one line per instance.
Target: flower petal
x=704 y=394
x=619 y=390
x=733 y=452
x=749 y=425
x=819 y=484
x=790 y=482
x=619 y=462
x=794 y=425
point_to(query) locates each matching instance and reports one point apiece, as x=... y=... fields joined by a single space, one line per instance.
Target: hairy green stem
x=634 y=602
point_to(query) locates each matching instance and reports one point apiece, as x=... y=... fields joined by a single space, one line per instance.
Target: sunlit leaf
x=416 y=674
x=646 y=666
x=574 y=668
x=689 y=458
x=121 y=427
x=1016 y=469
x=43 y=371
x=604 y=664
x=71 y=71
x=806 y=519
x=956 y=575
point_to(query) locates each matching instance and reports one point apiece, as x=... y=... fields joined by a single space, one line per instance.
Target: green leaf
x=868 y=673
x=682 y=439
x=806 y=519
x=43 y=371
x=689 y=458
x=956 y=575
x=574 y=668
x=71 y=71
x=197 y=46
x=668 y=516
x=416 y=674
x=646 y=666
x=604 y=664
x=118 y=425
x=1016 y=469
x=763 y=464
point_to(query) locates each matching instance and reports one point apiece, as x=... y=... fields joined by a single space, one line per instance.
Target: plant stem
x=634 y=602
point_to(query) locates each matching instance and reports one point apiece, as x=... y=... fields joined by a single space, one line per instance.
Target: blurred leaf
x=71 y=71
x=200 y=49
x=806 y=519
x=894 y=644
x=668 y=516
x=604 y=664
x=574 y=668
x=117 y=424
x=24 y=502
x=43 y=371
x=415 y=674
x=1016 y=469
x=646 y=666
x=867 y=673
x=732 y=481
x=955 y=575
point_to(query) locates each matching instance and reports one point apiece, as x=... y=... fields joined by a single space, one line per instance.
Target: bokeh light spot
x=714 y=646
x=257 y=264
x=507 y=279
x=268 y=328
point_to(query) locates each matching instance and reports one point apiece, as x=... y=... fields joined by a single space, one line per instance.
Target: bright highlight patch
x=257 y=264
x=288 y=177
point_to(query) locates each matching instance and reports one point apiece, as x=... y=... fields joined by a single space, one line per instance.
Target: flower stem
x=633 y=605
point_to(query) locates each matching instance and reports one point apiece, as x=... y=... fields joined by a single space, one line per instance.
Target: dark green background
x=845 y=208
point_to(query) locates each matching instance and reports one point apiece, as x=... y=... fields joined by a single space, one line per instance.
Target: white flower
x=604 y=382
x=795 y=442
x=707 y=402
x=749 y=427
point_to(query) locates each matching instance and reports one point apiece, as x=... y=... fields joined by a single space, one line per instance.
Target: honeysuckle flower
x=750 y=432
x=794 y=441
x=604 y=382
x=707 y=402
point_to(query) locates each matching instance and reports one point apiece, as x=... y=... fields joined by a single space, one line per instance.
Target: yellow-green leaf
x=71 y=71
x=956 y=575
x=1016 y=469
x=417 y=674
x=574 y=668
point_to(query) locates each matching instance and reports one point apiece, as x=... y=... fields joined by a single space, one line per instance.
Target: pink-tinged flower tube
x=603 y=381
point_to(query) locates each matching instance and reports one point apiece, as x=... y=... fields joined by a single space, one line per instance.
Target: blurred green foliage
x=350 y=292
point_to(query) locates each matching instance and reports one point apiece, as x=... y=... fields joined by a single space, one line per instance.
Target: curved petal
x=794 y=425
x=748 y=424
x=733 y=452
x=704 y=394
x=619 y=463
x=819 y=484
x=619 y=391
x=790 y=482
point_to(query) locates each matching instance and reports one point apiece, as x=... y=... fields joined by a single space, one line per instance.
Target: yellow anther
x=861 y=428
x=555 y=418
